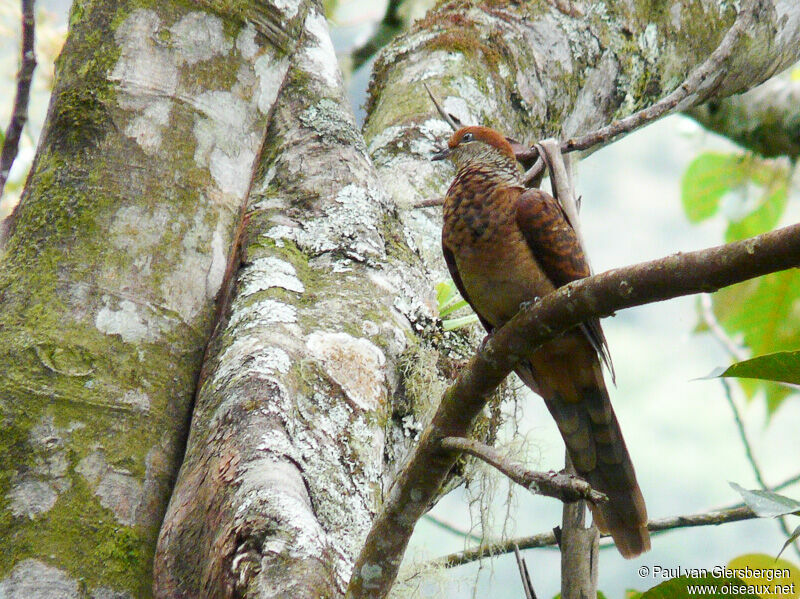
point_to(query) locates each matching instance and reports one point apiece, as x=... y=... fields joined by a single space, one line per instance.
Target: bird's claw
x=486 y=340
x=528 y=303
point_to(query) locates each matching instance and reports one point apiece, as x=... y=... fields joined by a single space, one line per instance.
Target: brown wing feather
x=450 y=260
x=558 y=251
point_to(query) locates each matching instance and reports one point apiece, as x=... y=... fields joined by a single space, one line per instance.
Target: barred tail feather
x=584 y=415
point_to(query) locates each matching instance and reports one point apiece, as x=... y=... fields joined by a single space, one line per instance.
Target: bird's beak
x=441 y=154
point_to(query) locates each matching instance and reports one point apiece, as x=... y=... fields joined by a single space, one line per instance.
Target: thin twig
x=736 y=351
x=452 y=529
x=744 y=21
x=548 y=539
x=564 y=487
x=19 y=114
x=739 y=354
x=451 y=120
x=597 y=296
x=732 y=513
x=527 y=585
x=429 y=203
x=579 y=546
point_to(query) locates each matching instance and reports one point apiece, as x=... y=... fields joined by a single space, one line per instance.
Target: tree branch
x=600 y=295
x=548 y=539
x=764 y=119
x=691 y=85
x=579 y=546
x=19 y=114
x=559 y=485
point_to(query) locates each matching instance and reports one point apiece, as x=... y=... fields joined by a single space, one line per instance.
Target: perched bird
x=505 y=245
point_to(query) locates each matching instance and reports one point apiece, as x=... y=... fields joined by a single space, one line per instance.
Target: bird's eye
x=467 y=137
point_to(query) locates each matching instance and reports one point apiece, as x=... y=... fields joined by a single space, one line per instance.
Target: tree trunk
x=285 y=463
x=111 y=265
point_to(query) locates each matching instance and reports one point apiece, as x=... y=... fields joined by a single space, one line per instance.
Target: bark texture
x=110 y=267
x=284 y=468
x=765 y=119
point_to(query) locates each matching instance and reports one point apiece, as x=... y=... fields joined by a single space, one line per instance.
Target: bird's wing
x=450 y=259
x=556 y=247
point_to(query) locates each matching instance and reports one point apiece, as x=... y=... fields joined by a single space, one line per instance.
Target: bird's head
x=479 y=146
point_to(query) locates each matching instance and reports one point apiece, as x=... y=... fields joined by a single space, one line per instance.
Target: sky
x=679 y=430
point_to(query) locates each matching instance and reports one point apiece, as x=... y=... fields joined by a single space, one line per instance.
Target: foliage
x=750 y=194
x=782 y=367
x=767 y=504
x=684 y=587
x=449 y=301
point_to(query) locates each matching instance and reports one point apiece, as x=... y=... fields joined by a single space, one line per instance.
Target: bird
x=506 y=245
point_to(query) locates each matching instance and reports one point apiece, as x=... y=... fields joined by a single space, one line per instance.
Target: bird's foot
x=486 y=340
x=528 y=303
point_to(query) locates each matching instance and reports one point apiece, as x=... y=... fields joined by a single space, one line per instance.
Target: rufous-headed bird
x=506 y=245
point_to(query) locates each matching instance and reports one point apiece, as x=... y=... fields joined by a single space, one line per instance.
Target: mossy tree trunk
x=110 y=268
x=168 y=120
x=284 y=467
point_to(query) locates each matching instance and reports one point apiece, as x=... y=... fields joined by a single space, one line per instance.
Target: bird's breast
x=496 y=265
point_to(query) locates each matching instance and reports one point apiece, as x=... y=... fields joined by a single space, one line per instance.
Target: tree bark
x=107 y=283
x=316 y=379
x=765 y=119
x=285 y=463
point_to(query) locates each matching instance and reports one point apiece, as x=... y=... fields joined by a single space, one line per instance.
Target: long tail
x=576 y=395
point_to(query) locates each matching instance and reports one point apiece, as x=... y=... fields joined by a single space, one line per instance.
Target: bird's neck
x=499 y=172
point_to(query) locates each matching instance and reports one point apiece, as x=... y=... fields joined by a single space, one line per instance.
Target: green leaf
x=706 y=180
x=686 y=587
x=767 y=504
x=456 y=323
x=761 y=314
x=783 y=367
x=445 y=292
x=453 y=307
x=792 y=538
x=762 y=219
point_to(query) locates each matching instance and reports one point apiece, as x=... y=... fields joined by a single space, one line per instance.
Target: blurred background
x=679 y=427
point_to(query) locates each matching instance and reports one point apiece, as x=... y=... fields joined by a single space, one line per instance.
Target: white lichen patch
x=226 y=140
x=137 y=399
x=199 y=36
x=289 y=8
x=320 y=58
x=147 y=127
x=271 y=73
x=203 y=251
x=263 y=313
x=349 y=224
x=144 y=65
x=458 y=107
x=356 y=365
x=246 y=41
x=135 y=228
x=118 y=491
x=33 y=579
x=155 y=56
x=219 y=261
x=130 y=321
x=648 y=42
x=266 y=273
x=30 y=498
x=250 y=351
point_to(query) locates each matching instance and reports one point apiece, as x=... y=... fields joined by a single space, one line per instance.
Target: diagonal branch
x=19 y=114
x=691 y=85
x=560 y=485
x=597 y=296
